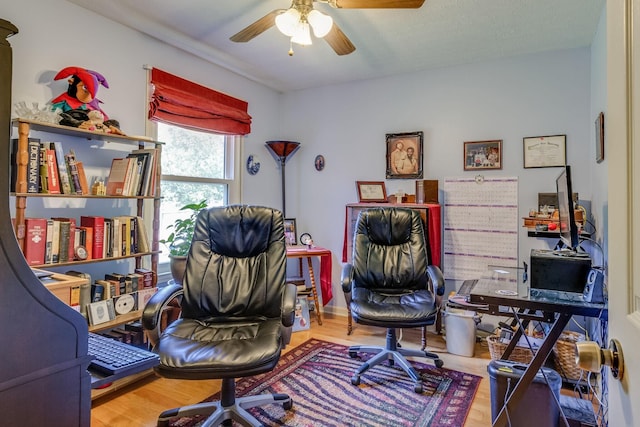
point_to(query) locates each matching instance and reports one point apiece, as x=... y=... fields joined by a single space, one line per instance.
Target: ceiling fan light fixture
x=302 y=35
x=288 y=22
x=320 y=23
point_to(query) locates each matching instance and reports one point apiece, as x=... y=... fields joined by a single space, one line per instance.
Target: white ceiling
x=388 y=41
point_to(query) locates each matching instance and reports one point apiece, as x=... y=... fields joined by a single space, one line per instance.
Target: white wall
x=543 y=94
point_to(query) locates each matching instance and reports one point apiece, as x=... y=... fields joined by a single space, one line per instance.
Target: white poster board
x=480 y=225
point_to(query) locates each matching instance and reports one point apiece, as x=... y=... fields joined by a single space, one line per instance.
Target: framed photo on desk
x=371 y=191
x=290 y=232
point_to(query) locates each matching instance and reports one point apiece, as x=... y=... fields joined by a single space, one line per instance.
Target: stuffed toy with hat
x=80 y=99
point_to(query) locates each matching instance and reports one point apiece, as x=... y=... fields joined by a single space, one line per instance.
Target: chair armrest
x=154 y=308
x=437 y=279
x=289 y=304
x=347 y=279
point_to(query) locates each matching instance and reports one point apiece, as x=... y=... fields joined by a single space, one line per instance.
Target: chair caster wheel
x=355 y=380
x=418 y=388
x=288 y=404
x=439 y=363
x=353 y=354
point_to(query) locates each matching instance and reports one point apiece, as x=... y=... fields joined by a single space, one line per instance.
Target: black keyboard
x=113 y=357
x=466 y=287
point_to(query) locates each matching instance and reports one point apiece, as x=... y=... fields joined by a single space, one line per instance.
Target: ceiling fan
x=298 y=21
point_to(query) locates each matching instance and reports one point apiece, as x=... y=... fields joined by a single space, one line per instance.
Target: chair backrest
x=389 y=250
x=236 y=264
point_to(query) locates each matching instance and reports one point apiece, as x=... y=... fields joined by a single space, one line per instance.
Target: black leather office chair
x=237 y=311
x=391 y=284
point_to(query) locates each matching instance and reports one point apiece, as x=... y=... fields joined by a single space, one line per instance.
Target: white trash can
x=460 y=329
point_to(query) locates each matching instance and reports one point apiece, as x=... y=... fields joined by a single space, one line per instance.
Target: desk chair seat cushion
x=403 y=310
x=195 y=349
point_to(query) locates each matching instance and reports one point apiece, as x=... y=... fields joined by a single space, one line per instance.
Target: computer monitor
x=566 y=215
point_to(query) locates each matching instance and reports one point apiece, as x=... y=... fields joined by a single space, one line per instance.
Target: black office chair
x=237 y=311
x=391 y=284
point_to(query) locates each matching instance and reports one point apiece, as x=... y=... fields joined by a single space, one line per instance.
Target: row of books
x=117 y=294
x=51 y=171
x=60 y=240
x=133 y=175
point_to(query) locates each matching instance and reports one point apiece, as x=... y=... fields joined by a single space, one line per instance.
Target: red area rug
x=317 y=375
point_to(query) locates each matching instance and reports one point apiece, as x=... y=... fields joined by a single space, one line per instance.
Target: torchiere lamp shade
x=282 y=151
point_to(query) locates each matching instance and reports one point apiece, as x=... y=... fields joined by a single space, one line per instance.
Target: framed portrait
x=483 y=155
x=371 y=191
x=600 y=138
x=545 y=151
x=404 y=155
x=290 y=232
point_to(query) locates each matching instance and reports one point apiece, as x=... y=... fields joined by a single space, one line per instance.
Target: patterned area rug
x=317 y=375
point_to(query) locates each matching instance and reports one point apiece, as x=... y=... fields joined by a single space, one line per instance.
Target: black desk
x=503 y=292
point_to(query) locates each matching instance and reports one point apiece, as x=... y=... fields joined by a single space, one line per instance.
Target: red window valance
x=184 y=103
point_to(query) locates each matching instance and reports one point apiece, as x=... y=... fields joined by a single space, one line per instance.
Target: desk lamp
x=282 y=151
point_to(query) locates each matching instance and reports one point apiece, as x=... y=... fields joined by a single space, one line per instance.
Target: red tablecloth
x=325 y=267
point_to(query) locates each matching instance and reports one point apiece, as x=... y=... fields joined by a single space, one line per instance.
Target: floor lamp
x=282 y=151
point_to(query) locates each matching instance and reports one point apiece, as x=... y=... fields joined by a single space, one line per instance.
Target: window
x=196 y=166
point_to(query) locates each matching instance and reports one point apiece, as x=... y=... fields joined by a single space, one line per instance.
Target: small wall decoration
x=404 y=155
x=545 y=151
x=319 y=162
x=253 y=164
x=600 y=138
x=371 y=191
x=290 y=232
x=482 y=155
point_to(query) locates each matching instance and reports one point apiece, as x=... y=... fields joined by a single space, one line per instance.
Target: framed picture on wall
x=600 y=138
x=290 y=232
x=404 y=155
x=482 y=155
x=545 y=151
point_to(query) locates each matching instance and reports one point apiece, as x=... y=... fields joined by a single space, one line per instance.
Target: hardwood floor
x=140 y=403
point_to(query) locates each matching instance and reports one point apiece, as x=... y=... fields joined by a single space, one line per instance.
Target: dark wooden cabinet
x=43 y=372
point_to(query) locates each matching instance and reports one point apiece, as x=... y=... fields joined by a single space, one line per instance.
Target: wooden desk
x=503 y=293
x=325 y=272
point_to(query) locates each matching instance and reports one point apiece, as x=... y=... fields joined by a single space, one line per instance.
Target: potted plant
x=179 y=241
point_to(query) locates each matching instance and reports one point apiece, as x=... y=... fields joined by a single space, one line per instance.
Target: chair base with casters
x=393 y=354
x=229 y=408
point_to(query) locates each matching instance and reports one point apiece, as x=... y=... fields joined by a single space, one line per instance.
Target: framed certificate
x=371 y=191
x=545 y=151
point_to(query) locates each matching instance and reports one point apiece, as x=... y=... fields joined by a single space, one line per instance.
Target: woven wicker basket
x=519 y=354
x=565 y=355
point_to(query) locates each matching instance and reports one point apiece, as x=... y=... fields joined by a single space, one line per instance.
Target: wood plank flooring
x=141 y=403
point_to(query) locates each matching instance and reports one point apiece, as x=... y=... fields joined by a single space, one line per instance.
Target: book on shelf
x=72 y=166
x=117 y=177
x=97 y=292
x=84 y=295
x=107 y=286
x=101 y=312
x=136 y=281
x=63 y=239
x=149 y=173
x=97 y=242
x=143 y=238
x=48 y=254
x=55 y=242
x=120 y=279
x=82 y=176
x=53 y=178
x=74 y=297
x=43 y=170
x=63 y=172
x=33 y=166
x=67 y=240
x=147 y=277
x=35 y=240
x=87 y=242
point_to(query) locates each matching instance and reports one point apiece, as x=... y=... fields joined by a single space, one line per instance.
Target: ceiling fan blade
x=338 y=41
x=376 y=4
x=257 y=28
